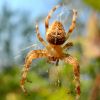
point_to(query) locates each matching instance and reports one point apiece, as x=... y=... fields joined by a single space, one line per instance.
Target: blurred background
x=49 y=82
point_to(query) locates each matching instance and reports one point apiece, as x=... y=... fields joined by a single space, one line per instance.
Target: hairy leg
x=76 y=68
x=68 y=45
x=39 y=36
x=71 y=28
x=41 y=39
x=28 y=60
x=49 y=16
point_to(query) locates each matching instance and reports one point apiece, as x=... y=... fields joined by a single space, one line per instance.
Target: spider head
x=56 y=34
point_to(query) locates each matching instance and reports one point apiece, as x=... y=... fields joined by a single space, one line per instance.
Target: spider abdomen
x=56 y=33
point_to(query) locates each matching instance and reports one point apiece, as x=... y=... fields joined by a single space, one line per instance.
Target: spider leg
x=34 y=54
x=41 y=39
x=71 y=28
x=68 y=45
x=39 y=36
x=49 y=16
x=76 y=68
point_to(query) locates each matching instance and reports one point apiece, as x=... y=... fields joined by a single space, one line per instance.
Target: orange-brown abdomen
x=56 y=33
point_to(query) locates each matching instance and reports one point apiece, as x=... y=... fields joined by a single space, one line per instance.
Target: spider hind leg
x=34 y=54
x=76 y=68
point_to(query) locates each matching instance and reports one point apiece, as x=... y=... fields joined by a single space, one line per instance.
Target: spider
x=54 y=50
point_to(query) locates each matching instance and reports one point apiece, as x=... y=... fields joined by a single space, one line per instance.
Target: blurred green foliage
x=39 y=89
x=93 y=3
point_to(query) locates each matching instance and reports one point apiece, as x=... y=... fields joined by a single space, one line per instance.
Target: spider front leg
x=34 y=54
x=49 y=16
x=39 y=36
x=76 y=68
x=72 y=25
x=41 y=39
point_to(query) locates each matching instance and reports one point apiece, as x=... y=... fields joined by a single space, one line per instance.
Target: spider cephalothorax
x=54 y=50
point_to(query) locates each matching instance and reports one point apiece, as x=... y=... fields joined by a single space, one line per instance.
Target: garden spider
x=54 y=50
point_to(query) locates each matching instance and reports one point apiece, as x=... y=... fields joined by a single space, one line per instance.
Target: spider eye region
x=56 y=33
